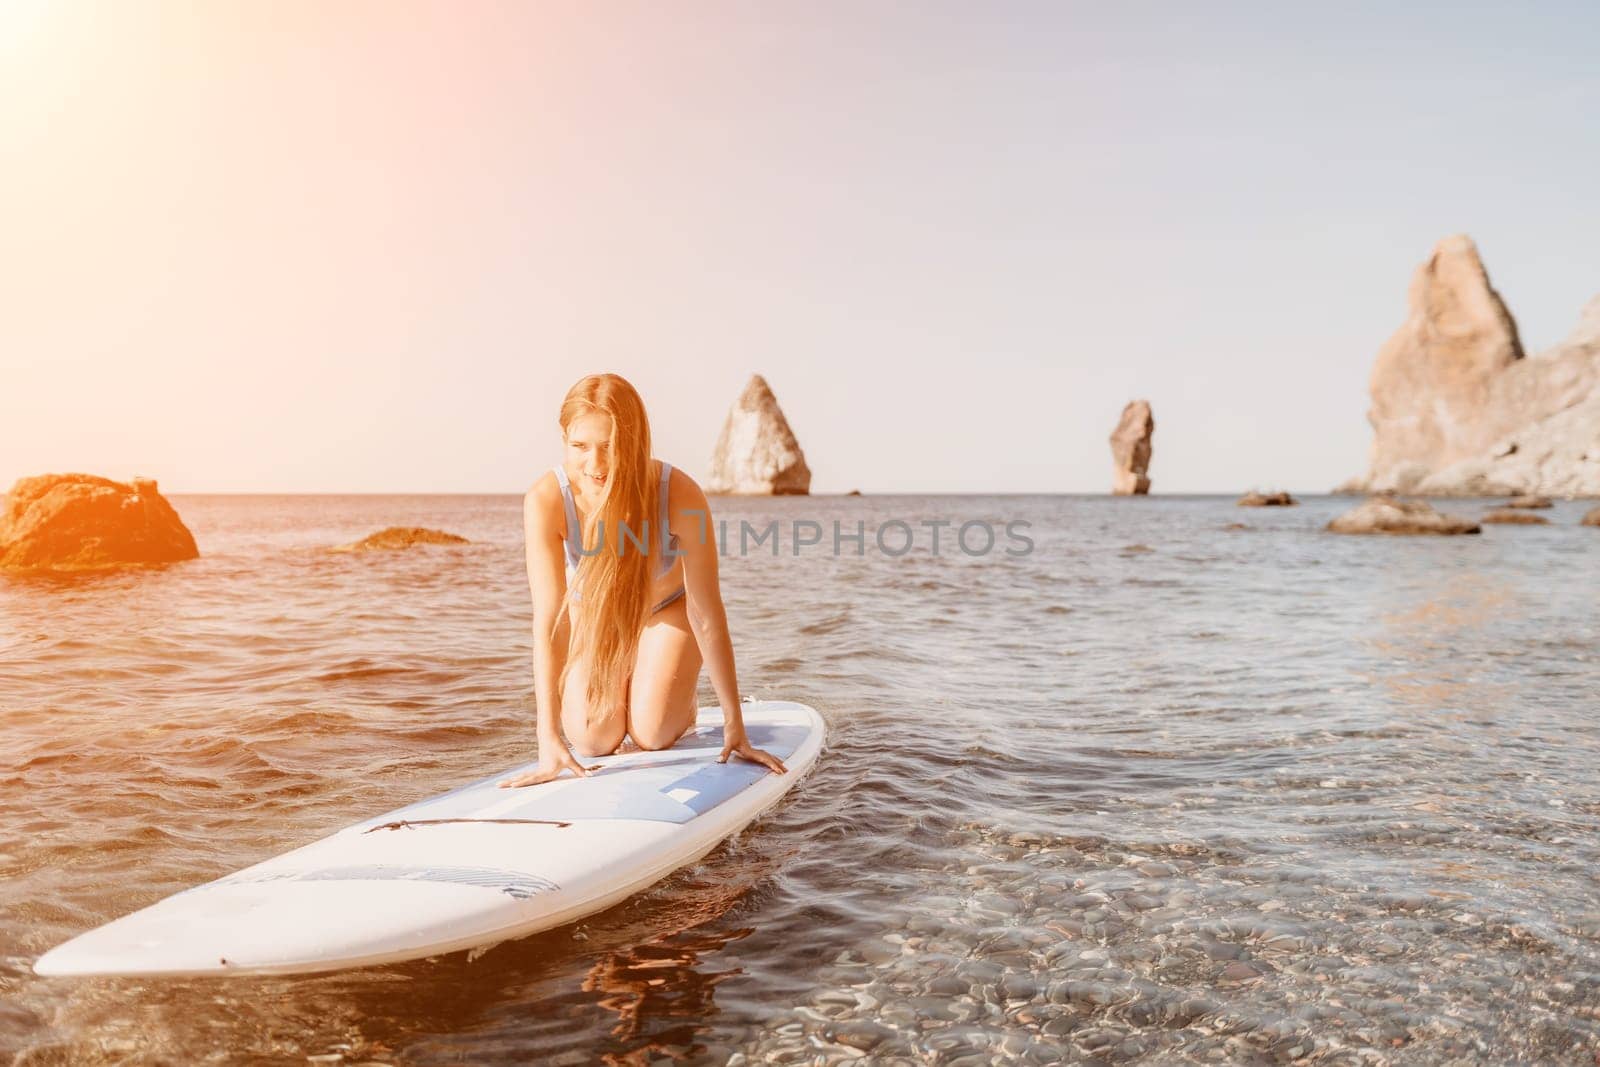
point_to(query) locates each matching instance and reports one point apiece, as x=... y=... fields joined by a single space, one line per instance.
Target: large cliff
x=1459 y=410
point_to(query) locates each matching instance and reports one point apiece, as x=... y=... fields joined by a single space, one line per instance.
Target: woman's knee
x=589 y=747
x=654 y=726
x=655 y=737
x=590 y=734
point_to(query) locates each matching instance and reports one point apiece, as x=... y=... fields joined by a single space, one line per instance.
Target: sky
x=366 y=246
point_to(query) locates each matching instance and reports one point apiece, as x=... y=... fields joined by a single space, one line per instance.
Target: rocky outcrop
x=1253 y=499
x=1130 y=450
x=1386 y=515
x=78 y=522
x=1592 y=518
x=1510 y=517
x=1458 y=411
x=756 y=453
x=393 y=537
x=1530 y=502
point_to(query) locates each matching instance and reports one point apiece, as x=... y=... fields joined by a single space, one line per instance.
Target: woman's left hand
x=735 y=743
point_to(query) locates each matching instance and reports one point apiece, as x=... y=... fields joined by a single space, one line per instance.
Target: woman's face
x=588 y=457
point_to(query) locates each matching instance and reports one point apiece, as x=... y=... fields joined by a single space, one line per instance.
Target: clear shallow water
x=1158 y=790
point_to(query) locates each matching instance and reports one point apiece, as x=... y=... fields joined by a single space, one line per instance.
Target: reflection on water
x=659 y=994
x=1422 y=644
x=1161 y=790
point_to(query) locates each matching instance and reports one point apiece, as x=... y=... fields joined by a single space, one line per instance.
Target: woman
x=626 y=603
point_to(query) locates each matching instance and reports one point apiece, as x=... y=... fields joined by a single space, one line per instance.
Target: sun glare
x=20 y=24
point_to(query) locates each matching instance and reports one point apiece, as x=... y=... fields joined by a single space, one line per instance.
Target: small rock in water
x=845 y=997
x=1387 y=515
x=1240 y=971
x=1278 y=499
x=1019 y=987
x=862 y=1035
x=1510 y=517
x=878 y=952
x=394 y=537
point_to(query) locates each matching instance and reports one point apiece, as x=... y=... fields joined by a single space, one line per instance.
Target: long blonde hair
x=615 y=576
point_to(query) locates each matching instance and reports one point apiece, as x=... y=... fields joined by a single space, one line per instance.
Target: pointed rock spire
x=756 y=453
x=1458 y=411
x=1130 y=450
x=1431 y=385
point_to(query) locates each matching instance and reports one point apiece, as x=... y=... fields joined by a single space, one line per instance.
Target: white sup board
x=476 y=866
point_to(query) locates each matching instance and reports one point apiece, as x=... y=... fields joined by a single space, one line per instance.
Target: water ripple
x=1160 y=790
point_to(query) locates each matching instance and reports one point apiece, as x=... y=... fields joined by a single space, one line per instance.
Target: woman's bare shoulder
x=685 y=495
x=543 y=496
x=683 y=491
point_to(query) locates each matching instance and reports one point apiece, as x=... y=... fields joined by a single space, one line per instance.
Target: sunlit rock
x=1386 y=515
x=1513 y=517
x=1458 y=411
x=1131 y=449
x=1254 y=499
x=756 y=453
x=394 y=537
x=80 y=522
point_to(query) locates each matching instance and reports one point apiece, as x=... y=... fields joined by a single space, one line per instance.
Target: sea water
x=1179 y=781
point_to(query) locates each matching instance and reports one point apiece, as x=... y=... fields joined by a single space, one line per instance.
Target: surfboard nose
x=283 y=928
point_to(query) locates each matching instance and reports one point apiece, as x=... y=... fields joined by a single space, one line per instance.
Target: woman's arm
x=691 y=519
x=547 y=581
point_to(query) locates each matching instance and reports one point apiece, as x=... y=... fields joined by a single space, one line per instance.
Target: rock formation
x=1511 y=517
x=1530 y=502
x=756 y=453
x=402 y=537
x=1458 y=411
x=1592 y=518
x=1386 y=515
x=1253 y=499
x=1130 y=450
x=78 y=522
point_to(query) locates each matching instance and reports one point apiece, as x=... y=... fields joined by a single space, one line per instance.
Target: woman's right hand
x=550 y=769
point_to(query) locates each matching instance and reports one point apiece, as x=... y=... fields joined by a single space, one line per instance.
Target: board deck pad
x=672 y=785
x=469 y=868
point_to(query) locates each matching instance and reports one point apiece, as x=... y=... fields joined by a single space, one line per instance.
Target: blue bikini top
x=573 y=540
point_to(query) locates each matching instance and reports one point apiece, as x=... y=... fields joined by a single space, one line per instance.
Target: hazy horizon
x=365 y=248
